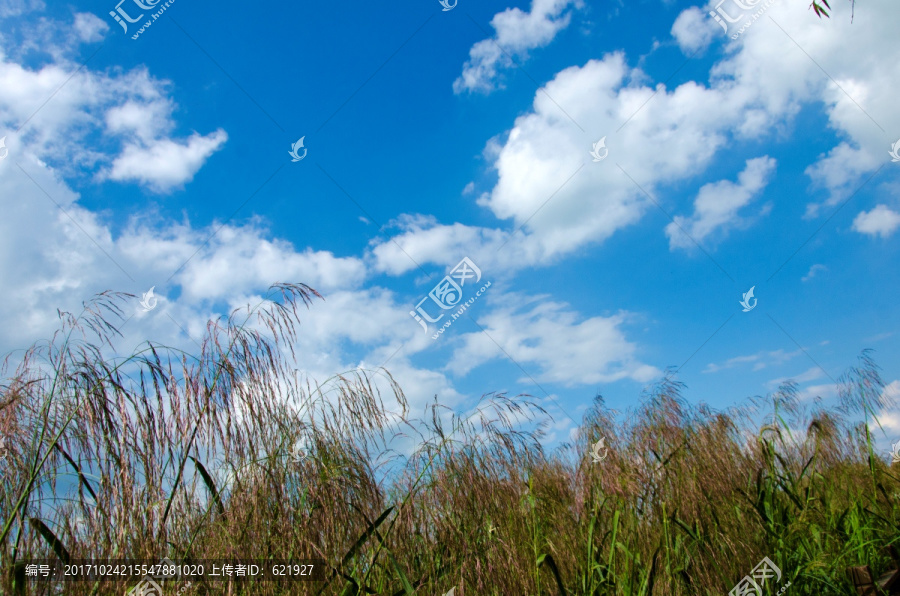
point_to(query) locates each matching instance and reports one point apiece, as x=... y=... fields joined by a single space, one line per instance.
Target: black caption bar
x=154 y=572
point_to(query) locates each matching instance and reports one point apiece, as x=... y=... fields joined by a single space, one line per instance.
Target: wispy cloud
x=717 y=206
x=517 y=32
x=813 y=271
x=760 y=360
x=810 y=374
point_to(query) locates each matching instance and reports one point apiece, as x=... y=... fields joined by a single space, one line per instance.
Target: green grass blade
x=407 y=586
x=77 y=469
x=210 y=485
x=356 y=545
x=548 y=559
x=54 y=542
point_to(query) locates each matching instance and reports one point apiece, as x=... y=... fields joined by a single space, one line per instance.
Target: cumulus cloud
x=546 y=182
x=880 y=221
x=165 y=164
x=657 y=136
x=242 y=259
x=517 y=32
x=549 y=190
x=423 y=240
x=146 y=119
x=718 y=203
x=135 y=146
x=198 y=273
x=694 y=30
x=550 y=342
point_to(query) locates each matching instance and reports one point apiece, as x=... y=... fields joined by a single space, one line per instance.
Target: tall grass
x=165 y=453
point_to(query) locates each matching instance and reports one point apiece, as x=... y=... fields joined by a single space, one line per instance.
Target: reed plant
x=230 y=453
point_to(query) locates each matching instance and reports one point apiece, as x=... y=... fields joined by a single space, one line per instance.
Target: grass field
x=167 y=454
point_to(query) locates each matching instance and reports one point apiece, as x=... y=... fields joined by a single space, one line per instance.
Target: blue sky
x=747 y=158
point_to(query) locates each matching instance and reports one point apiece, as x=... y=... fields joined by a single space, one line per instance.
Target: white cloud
x=165 y=164
x=423 y=240
x=551 y=344
x=39 y=277
x=77 y=259
x=239 y=259
x=825 y=391
x=11 y=8
x=134 y=146
x=760 y=360
x=694 y=30
x=813 y=271
x=880 y=221
x=146 y=119
x=840 y=173
x=89 y=27
x=889 y=418
x=810 y=374
x=516 y=33
x=548 y=184
x=670 y=135
x=718 y=203
x=129 y=115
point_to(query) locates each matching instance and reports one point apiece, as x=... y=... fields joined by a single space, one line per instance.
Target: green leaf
x=365 y=536
x=210 y=485
x=407 y=586
x=548 y=559
x=77 y=469
x=350 y=589
x=54 y=542
x=690 y=531
x=356 y=545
